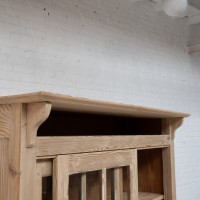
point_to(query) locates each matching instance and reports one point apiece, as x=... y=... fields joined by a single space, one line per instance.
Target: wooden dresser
x=57 y=147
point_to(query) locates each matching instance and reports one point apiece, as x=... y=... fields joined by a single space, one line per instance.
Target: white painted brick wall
x=194 y=38
x=106 y=49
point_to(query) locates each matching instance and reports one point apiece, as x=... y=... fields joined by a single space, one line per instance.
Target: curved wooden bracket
x=175 y=124
x=37 y=113
x=169 y=126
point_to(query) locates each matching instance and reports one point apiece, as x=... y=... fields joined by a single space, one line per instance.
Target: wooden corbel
x=175 y=123
x=37 y=113
x=169 y=126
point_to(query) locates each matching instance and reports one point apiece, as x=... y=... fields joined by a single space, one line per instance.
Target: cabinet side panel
x=15 y=151
x=169 y=127
x=168 y=167
x=4 y=168
x=10 y=127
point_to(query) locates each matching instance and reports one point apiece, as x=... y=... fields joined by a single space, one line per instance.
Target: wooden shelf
x=145 y=196
x=150 y=196
x=69 y=103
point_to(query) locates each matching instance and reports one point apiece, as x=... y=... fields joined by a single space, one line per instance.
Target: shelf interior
x=145 y=196
x=87 y=124
x=150 y=171
x=150 y=196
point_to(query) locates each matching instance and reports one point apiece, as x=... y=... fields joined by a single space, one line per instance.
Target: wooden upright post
x=169 y=127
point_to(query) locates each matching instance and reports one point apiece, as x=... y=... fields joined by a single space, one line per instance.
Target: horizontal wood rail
x=50 y=146
x=150 y=196
x=78 y=163
x=81 y=162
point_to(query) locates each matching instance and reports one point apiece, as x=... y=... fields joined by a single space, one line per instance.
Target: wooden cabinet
x=56 y=147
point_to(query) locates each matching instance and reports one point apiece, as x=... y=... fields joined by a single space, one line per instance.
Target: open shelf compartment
x=60 y=123
x=150 y=174
x=150 y=196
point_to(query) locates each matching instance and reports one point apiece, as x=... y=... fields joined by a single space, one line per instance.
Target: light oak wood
x=86 y=162
x=167 y=162
x=168 y=169
x=117 y=193
x=28 y=152
x=5 y=120
x=45 y=167
x=4 y=168
x=174 y=125
x=150 y=170
x=26 y=158
x=83 y=186
x=64 y=102
x=15 y=150
x=169 y=128
x=37 y=113
x=147 y=196
x=133 y=177
x=11 y=127
x=47 y=146
x=103 y=184
x=60 y=178
x=5 y=134
x=19 y=133
x=38 y=184
x=82 y=163
x=150 y=196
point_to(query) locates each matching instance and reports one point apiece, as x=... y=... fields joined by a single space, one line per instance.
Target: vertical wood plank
x=31 y=118
x=167 y=174
x=133 y=178
x=18 y=118
x=168 y=181
x=27 y=162
x=117 y=184
x=83 y=186
x=60 y=178
x=169 y=127
x=11 y=124
x=4 y=168
x=103 y=184
x=38 y=183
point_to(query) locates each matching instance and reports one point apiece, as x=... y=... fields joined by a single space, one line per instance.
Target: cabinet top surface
x=69 y=103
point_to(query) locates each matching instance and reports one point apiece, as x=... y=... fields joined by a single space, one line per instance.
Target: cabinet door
x=82 y=164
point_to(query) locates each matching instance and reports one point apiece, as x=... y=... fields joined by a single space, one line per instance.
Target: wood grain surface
x=65 y=102
x=47 y=146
